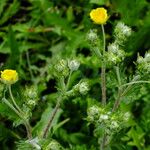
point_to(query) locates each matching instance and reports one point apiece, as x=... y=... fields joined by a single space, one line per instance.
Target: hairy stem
x=118 y=100
x=136 y=82
x=28 y=129
x=122 y=92
x=49 y=125
x=103 y=69
x=103 y=83
x=68 y=82
x=26 y=123
x=13 y=100
x=102 y=146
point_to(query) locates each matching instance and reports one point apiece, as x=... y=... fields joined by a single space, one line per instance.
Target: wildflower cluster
x=115 y=53
x=107 y=120
x=122 y=32
x=143 y=63
x=30 y=100
x=63 y=67
x=94 y=41
x=81 y=88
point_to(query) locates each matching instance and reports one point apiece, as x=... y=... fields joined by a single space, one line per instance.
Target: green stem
x=13 y=100
x=26 y=123
x=29 y=129
x=68 y=82
x=103 y=144
x=50 y=121
x=103 y=83
x=12 y=107
x=136 y=82
x=103 y=70
x=122 y=93
x=62 y=85
x=118 y=75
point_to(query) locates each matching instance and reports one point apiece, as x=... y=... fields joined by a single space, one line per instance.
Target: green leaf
x=10 y=11
x=2 y=5
x=40 y=126
x=14 y=56
x=99 y=2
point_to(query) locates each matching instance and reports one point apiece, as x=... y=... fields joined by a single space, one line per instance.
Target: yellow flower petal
x=9 y=76
x=99 y=15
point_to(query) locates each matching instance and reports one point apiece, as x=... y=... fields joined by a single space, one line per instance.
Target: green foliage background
x=45 y=31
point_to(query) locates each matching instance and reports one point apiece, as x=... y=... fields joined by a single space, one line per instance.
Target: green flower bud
x=83 y=88
x=62 y=68
x=143 y=64
x=53 y=145
x=31 y=93
x=114 y=48
x=93 y=113
x=122 y=32
x=92 y=36
x=73 y=65
x=31 y=103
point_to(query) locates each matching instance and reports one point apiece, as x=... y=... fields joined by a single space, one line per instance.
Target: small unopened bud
x=143 y=64
x=122 y=32
x=127 y=116
x=93 y=113
x=113 y=48
x=92 y=36
x=73 y=65
x=114 y=125
x=31 y=103
x=147 y=57
x=53 y=145
x=31 y=93
x=62 y=68
x=104 y=117
x=83 y=88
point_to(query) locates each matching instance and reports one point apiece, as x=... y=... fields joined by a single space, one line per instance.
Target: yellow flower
x=99 y=15
x=9 y=76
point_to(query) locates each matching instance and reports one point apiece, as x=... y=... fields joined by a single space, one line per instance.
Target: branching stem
x=122 y=92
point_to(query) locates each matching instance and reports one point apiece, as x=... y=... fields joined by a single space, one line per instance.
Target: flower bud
x=62 y=68
x=53 y=145
x=92 y=36
x=73 y=65
x=31 y=103
x=122 y=32
x=9 y=76
x=114 y=48
x=114 y=125
x=31 y=93
x=83 y=88
x=143 y=64
x=93 y=113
